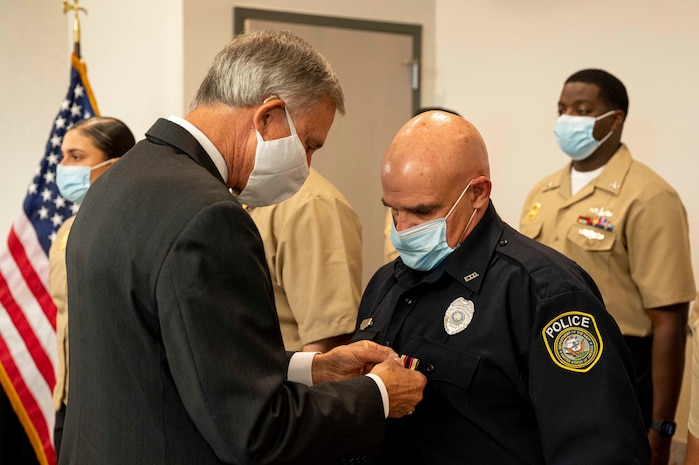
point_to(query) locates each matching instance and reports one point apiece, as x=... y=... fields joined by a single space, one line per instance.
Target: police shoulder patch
x=573 y=341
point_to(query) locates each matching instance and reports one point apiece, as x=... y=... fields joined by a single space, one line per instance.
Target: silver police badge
x=458 y=316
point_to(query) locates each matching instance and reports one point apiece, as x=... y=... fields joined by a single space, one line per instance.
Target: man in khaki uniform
x=313 y=247
x=628 y=228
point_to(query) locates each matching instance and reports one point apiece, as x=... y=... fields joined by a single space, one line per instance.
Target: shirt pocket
x=591 y=239
x=450 y=371
x=532 y=231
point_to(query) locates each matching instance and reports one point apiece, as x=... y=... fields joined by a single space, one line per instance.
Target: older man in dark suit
x=176 y=355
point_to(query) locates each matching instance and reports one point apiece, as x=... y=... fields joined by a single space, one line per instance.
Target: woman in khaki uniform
x=89 y=148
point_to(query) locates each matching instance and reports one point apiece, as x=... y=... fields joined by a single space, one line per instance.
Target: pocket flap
x=442 y=363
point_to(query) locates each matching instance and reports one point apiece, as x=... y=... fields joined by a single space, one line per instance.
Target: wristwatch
x=664 y=427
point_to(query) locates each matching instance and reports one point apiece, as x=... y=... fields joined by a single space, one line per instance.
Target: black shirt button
x=429 y=368
x=408 y=300
x=503 y=242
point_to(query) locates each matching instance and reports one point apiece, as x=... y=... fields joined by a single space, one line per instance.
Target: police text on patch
x=566 y=322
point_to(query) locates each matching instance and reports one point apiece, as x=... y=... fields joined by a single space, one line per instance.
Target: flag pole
x=76 y=23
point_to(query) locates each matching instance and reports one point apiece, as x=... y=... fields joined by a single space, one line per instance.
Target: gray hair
x=256 y=65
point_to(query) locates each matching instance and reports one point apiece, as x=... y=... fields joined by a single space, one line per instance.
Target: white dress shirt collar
x=209 y=147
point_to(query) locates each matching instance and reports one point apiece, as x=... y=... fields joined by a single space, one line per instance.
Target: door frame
x=240 y=14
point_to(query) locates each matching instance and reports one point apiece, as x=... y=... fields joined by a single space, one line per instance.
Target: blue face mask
x=74 y=181
x=574 y=135
x=424 y=246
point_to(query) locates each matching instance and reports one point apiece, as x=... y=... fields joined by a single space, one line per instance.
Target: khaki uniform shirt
x=58 y=288
x=313 y=246
x=627 y=228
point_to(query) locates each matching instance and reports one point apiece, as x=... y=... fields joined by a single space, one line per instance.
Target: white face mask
x=279 y=172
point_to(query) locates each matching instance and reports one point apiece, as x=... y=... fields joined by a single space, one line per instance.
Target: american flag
x=27 y=313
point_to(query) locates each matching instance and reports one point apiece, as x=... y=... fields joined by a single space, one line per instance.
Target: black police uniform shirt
x=523 y=363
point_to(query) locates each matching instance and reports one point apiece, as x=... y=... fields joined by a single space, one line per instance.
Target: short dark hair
x=424 y=109
x=110 y=135
x=611 y=89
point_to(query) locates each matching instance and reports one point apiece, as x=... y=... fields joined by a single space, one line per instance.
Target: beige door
x=377 y=76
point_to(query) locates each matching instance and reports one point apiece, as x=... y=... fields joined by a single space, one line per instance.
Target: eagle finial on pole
x=76 y=23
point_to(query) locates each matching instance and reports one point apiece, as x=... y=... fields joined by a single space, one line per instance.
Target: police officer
x=524 y=365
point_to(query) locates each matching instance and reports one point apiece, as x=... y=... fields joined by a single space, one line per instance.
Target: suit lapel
x=165 y=132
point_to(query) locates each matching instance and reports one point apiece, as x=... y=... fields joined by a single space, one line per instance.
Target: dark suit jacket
x=175 y=351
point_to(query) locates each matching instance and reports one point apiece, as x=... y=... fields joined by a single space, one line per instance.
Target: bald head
x=439 y=146
x=431 y=160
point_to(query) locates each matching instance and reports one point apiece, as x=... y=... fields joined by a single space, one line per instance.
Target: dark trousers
x=641 y=353
x=15 y=447
x=58 y=429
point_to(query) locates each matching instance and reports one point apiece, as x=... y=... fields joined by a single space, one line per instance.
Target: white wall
x=133 y=50
x=34 y=78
